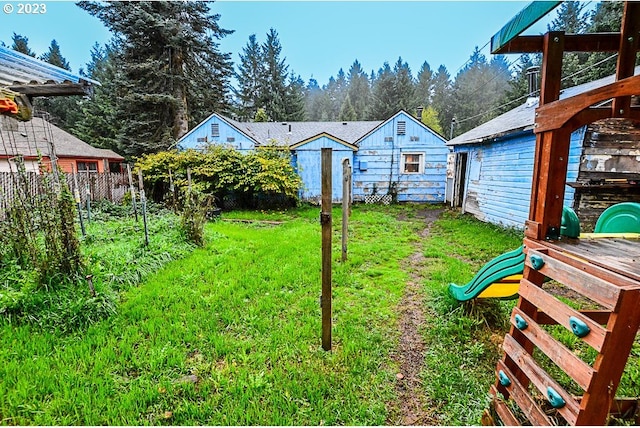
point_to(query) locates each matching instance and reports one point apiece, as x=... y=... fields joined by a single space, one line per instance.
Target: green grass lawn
x=230 y=333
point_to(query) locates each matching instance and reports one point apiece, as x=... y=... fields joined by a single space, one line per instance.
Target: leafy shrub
x=260 y=177
x=194 y=217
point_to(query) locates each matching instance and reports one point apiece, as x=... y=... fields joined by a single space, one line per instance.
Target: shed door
x=460 y=179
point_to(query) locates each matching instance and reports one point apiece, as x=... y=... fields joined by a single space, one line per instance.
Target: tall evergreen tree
x=250 y=71
x=171 y=73
x=424 y=85
x=441 y=99
x=479 y=88
x=518 y=88
x=63 y=111
x=347 y=112
x=334 y=94
x=21 y=44
x=53 y=56
x=295 y=95
x=382 y=94
x=358 y=91
x=273 y=84
x=97 y=124
x=572 y=19
x=606 y=17
x=313 y=100
x=404 y=88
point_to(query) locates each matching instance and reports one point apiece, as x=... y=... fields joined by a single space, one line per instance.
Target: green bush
x=264 y=177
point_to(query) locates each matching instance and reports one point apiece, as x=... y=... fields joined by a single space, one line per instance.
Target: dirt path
x=411 y=407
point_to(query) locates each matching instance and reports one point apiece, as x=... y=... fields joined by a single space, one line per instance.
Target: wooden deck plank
x=540 y=378
x=621 y=256
x=527 y=404
x=588 y=285
x=561 y=313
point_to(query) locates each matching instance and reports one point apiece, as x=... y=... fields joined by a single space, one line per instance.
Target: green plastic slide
x=507 y=264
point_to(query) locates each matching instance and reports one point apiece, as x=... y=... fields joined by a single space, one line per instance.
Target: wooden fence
x=101 y=186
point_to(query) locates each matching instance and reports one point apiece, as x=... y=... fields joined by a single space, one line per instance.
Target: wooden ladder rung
x=523 y=399
x=540 y=378
x=506 y=415
x=578 y=370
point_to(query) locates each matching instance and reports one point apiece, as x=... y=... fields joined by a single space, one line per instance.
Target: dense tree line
x=163 y=72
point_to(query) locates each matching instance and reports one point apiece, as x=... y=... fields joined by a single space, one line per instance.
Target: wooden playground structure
x=605 y=272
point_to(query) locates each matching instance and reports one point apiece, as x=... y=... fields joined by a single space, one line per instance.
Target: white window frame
x=403 y=163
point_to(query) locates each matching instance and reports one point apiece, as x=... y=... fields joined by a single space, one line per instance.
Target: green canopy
x=523 y=20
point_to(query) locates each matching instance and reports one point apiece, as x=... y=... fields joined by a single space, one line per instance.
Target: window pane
x=90 y=166
x=412 y=162
x=411 y=167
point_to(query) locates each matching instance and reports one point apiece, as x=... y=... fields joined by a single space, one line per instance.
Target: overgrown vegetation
x=263 y=178
x=194 y=216
x=230 y=333
x=38 y=232
x=113 y=252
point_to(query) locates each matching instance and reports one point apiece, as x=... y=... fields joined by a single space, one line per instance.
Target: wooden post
x=133 y=192
x=627 y=53
x=143 y=202
x=325 y=221
x=76 y=196
x=87 y=191
x=189 y=180
x=553 y=48
x=346 y=194
x=172 y=191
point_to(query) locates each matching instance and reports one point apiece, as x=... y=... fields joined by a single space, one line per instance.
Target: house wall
x=71 y=164
x=609 y=168
x=307 y=160
x=377 y=163
x=499 y=176
x=6 y=166
x=228 y=136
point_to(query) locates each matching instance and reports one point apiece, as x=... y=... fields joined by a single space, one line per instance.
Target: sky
x=317 y=37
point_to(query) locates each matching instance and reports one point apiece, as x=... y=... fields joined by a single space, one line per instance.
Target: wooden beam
x=326 y=222
x=630 y=29
x=553 y=48
x=554 y=115
x=549 y=92
x=551 y=179
x=593 y=42
x=52 y=89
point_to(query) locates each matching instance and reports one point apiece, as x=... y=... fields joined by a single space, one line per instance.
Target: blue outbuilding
x=491 y=167
x=398 y=157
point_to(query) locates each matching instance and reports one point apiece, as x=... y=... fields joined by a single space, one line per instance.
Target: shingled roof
x=521 y=118
x=291 y=133
x=29 y=138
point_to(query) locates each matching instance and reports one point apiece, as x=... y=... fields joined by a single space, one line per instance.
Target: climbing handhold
x=520 y=322
x=537 y=261
x=579 y=327
x=504 y=379
x=555 y=399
